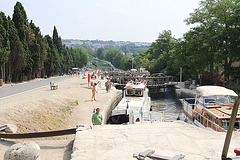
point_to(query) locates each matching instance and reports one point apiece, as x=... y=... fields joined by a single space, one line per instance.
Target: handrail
x=38 y=134
x=222 y=129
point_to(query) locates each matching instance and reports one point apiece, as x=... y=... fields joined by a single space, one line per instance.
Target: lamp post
x=180 y=74
x=132 y=62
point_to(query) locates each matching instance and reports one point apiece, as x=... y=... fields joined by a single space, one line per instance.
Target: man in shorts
x=97 y=118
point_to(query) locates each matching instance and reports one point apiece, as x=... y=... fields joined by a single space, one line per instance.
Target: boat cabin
x=132 y=90
x=212 y=108
x=133 y=106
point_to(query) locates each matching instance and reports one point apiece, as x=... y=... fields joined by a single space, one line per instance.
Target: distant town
x=95 y=44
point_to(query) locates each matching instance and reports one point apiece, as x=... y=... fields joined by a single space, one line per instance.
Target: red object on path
x=237 y=151
x=89 y=78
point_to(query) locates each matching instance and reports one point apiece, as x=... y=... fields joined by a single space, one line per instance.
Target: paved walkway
x=120 y=142
x=11 y=90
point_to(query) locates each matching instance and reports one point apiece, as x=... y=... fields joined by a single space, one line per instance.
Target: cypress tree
x=4 y=44
x=25 y=53
x=58 y=43
x=53 y=59
x=20 y=20
x=17 y=56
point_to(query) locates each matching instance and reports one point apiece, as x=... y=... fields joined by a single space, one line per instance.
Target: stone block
x=23 y=151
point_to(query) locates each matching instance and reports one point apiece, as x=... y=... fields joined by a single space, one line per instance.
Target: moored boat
x=211 y=108
x=133 y=106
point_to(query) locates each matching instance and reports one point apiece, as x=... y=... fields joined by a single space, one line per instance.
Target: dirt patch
x=43 y=109
x=44 y=118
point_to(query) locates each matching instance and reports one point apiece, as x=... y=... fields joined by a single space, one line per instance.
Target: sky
x=117 y=20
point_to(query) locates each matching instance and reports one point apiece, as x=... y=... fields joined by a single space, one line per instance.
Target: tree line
x=206 y=52
x=26 y=54
x=115 y=56
x=126 y=47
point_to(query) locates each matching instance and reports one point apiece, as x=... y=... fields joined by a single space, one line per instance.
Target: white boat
x=211 y=108
x=134 y=105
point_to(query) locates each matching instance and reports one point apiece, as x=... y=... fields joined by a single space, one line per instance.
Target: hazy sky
x=118 y=20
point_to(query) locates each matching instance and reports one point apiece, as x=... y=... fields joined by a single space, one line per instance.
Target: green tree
x=220 y=29
x=17 y=58
x=126 y=63
x=117 y=59
x=68 y=59
x=4 y=43
x=100 y=53
x=160 y=53
x=114 y=56
x=58 y=43
x=35 y=56
x=52 y=64
x=80 y=57
x=57 y=40
x=141 y=61
x=20 y=20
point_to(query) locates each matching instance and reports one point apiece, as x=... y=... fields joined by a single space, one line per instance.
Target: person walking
x=108 y=85
x=97 y=117
x=94 y=91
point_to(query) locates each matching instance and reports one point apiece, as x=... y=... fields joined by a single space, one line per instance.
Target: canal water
x=167 y=104
x=165 y=107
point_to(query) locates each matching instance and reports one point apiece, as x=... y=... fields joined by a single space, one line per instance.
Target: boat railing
x=205 y=121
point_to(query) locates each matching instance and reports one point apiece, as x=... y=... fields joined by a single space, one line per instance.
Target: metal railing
x=203 y=118
x=38 y=134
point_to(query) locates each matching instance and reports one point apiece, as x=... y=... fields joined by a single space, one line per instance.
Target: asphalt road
x=11 y=90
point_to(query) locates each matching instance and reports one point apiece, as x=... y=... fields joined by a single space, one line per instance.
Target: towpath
x=15 y=89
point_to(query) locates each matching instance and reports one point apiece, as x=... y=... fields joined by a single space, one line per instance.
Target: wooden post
x=230 y=128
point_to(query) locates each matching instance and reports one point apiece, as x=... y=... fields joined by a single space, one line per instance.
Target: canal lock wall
x=111 y=104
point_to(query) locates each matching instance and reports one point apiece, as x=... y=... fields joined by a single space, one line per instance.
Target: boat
x=211 y=108
x=134 y=105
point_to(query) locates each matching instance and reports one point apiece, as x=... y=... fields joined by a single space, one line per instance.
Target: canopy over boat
x=205 y=91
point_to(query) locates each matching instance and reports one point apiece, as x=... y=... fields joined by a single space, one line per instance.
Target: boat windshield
x=134 y=92
x=217 y=100
x=225 y=124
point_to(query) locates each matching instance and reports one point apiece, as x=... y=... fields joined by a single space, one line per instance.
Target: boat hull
x=119 y=119
x=134 y=104
x=204 y=117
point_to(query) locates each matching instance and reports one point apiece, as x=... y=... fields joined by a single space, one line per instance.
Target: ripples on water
x=167 y=104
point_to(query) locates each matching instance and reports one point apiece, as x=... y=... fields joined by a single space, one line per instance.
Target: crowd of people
x=135 y=81
x=97 y=117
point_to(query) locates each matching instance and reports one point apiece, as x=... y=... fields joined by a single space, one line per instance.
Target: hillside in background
x=99 y=64
x=124 y=46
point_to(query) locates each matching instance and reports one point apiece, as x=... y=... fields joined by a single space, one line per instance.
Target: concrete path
x=11 y=90
x=120 y=142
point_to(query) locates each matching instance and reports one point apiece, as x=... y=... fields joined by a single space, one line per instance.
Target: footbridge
x=157 y=82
